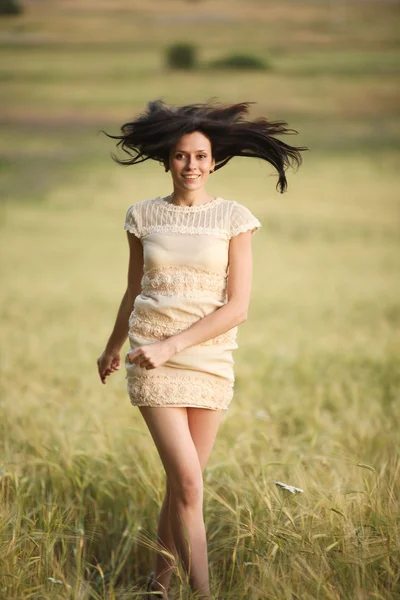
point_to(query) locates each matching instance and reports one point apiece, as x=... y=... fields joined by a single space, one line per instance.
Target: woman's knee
x=186 y=490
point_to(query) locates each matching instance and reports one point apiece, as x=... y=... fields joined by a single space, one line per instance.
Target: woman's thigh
x=170 y=431
x=203 y=427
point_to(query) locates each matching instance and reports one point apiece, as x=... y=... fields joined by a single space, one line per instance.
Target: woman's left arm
x=235 y=310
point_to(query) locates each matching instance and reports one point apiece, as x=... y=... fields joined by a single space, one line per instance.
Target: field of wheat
x=317 y=397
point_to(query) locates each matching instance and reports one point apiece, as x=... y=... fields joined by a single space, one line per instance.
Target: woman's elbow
x=239 y=312
x=241 y=315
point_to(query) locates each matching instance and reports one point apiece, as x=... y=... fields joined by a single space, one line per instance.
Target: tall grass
x=316 y=401
x=317 y=379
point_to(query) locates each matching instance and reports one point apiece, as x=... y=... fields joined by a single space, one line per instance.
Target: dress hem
x=179 y=405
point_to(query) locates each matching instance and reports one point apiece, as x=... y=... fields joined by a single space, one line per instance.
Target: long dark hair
x=154 y=133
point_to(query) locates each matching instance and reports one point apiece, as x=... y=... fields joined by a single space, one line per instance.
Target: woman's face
x=190 y=162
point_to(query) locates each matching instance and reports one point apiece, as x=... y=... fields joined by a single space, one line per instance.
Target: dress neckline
x=180 y=208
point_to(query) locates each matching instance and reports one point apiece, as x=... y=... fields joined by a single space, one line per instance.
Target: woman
x=189 y=282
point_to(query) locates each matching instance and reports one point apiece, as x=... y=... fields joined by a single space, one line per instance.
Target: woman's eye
x=199 y=155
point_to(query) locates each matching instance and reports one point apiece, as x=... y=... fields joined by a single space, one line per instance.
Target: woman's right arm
x=110 y=359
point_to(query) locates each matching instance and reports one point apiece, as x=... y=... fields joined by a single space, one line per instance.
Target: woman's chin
x=192 y=187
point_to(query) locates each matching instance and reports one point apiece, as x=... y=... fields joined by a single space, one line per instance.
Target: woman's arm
x=230 y=314
x=110 y=360
x=135 y=272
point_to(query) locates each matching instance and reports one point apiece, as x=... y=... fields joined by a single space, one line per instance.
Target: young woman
x=189 y=281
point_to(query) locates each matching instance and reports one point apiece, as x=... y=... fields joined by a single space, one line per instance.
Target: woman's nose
x=191 y=162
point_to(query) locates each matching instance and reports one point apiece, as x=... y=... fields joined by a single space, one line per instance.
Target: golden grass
x=315 y=405
x=317 y=378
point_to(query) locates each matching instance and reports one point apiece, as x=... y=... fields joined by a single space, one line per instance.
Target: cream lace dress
x=185 y=250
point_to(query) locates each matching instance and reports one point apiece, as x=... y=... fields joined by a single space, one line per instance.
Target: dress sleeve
x=242 y=220
x=133 y=220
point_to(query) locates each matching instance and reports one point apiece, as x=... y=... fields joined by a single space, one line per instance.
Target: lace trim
x=166 y=390
x=157 y=326
x=252 y=225
x=183 y=280
x=133 y=221
x=179 y=228
x=132 y=229
x=177 y=208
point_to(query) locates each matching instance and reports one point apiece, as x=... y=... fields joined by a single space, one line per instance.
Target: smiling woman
x=190 y=168
x=189 y=284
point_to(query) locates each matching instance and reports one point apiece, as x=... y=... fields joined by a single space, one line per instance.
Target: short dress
x=185 y=275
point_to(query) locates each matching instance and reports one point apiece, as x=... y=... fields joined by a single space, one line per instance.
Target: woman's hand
x=107 y=363
x=151 y=356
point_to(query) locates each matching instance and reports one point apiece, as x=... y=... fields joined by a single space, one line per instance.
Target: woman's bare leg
x=184 y=438
x=164 y=565
x=203 y=426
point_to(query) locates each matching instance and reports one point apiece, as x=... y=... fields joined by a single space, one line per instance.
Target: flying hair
x=156 y=131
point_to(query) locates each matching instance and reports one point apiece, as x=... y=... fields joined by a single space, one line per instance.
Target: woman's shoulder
x=236 y=208
x=134 y=216
x=143 y=203
x=233 y=205
x=241 y=218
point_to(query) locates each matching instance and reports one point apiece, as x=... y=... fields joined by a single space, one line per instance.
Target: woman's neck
x=189 y=199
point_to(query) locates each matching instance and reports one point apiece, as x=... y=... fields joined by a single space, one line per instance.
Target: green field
x=317 y=369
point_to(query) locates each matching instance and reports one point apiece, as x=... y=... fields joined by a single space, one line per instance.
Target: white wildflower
x=289 y=488
x=55 y=580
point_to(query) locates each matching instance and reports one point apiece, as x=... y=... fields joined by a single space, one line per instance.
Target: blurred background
x=317 y=379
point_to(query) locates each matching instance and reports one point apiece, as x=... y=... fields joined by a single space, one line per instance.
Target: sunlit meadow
x=317 y=369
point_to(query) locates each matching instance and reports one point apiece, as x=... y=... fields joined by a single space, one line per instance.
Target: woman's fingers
x=145 y=364
x=132 y=355
x=115 y=363
x=101 y=370
x=104 y=370
x=136 y=356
